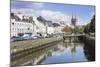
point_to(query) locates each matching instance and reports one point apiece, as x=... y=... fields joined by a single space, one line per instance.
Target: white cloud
x=54 y=15
x=50 y=15
x=38 y=5
x=25 y=11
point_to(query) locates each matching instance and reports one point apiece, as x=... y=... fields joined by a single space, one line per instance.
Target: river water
x=62 y=52
x=59 y=52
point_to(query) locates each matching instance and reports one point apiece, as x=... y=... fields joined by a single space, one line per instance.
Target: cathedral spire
x=73 y=20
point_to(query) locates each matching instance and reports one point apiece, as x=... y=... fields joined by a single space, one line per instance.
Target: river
x=59 y=52
x=62 y=52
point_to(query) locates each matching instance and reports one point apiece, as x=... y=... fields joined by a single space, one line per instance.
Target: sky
x=54 y=11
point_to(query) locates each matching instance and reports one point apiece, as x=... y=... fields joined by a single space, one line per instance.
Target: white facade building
x=50 y=30
x=42 y=28
x=19 y=26
x=59 y=28
x=39 y=27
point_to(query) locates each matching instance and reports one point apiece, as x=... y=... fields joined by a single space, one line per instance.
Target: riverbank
x=33 y=55
x=23 y=45
x=87 y=40
x=21 y=48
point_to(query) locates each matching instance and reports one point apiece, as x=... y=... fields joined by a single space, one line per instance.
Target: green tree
x=90 y=27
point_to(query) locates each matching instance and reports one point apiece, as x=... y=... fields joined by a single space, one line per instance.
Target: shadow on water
x=89 y=52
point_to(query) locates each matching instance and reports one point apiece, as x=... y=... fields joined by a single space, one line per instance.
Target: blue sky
x=54 y=11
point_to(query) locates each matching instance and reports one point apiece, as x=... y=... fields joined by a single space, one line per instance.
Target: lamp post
x=46 y=27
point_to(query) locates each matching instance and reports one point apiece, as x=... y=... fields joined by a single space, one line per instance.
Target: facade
x=43 y=26
x=21 y=25
x=58 y=27
x=39 y=27
x=50 y=30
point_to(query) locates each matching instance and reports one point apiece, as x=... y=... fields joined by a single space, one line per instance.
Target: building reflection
x=73 y=49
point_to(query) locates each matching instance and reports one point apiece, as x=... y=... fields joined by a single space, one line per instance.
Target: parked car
x=27 y=38
x=35 y=37
x=12 y=39
x=16 y=38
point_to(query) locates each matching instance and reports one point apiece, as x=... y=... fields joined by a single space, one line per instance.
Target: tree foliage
x=91 y=26
x=66 y=29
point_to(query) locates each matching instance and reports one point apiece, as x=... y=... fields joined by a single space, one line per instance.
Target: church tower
x=73 y=20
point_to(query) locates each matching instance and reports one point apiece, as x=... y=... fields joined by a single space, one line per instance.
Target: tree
x=66 y=29
x=90 y=27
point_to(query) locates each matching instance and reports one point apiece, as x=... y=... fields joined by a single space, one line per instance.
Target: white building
x=58 y=27
x=39 y=27
x=50 y=30
x=20 y=25
x=43 y=27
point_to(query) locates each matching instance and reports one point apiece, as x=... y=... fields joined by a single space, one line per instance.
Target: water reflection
x=60 y=52
x=67 y=52
x=89 y=52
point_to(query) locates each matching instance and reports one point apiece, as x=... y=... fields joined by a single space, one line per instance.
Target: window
x=12 y=23
x=18 y=29
x=28 y=28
